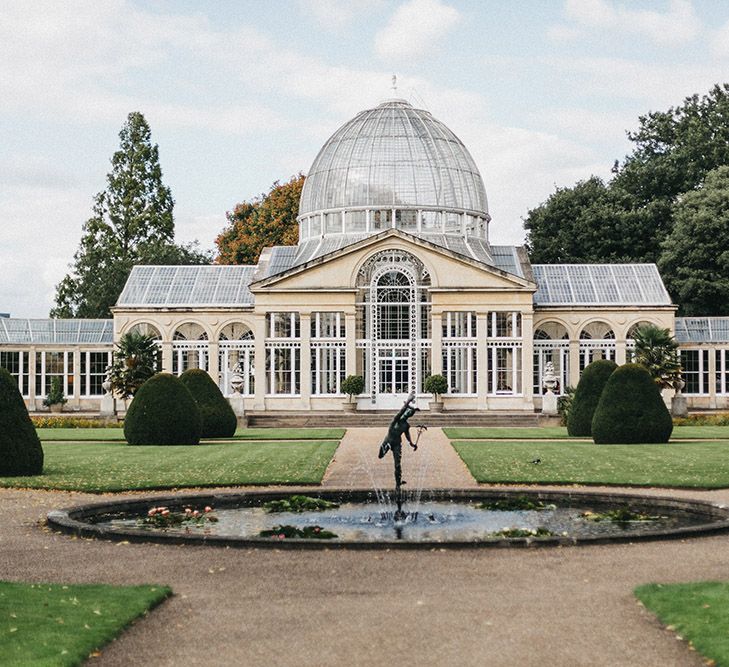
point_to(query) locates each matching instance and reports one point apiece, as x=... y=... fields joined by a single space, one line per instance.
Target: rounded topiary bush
x=163 y=412
x=587 y=396
x=631 y=409
x=21 y=453
x=218 y=418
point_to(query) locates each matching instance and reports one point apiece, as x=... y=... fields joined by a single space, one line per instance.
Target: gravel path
x=567 y=607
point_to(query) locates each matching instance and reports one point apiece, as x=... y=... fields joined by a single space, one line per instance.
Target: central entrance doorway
x=395 y=318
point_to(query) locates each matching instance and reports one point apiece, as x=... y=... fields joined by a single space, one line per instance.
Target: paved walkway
x=435 y=464
x=565 y=607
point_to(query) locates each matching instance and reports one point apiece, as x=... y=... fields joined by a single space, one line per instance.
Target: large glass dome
x=393 y=166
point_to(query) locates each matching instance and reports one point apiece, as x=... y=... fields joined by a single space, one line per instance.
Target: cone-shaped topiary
x=218 y=418
x=21 y=453
x=631 y=409
x=163 y=412
x=587 y=396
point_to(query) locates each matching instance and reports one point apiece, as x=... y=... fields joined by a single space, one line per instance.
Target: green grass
x=117 y=434
x=697 y=612
x=52 y=624
x=556 y=432
x=113 y=466
x=693 y=464
x=506 y=432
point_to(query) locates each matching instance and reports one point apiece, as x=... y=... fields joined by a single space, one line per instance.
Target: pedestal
x=549 y=403
x=108 y=406
x=238 y=404
x=679 y=406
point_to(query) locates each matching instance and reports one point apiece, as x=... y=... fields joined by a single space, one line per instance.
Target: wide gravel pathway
x=570 y=606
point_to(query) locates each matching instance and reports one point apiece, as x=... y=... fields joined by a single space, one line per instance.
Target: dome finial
x=394 y=83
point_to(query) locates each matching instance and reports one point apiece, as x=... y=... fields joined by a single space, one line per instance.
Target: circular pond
x=359 y=519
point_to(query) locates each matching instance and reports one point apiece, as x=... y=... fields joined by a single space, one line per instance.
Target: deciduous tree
x=265 y=221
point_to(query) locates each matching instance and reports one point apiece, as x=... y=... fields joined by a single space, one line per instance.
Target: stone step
x=383 y=418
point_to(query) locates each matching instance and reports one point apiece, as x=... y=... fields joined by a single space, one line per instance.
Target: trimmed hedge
x=218 y=418
x=631 y=409
x=587 y=396
x=163 y=412
x=21 y=453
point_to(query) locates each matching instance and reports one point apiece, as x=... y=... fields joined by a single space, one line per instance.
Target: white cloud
x=414 y=28
x=676 y=26
x=335 y=15
x=720 y=42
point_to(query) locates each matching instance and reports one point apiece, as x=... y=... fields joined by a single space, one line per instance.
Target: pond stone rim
x=74 y=520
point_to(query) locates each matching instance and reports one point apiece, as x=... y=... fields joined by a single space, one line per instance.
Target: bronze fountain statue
x=400 y=427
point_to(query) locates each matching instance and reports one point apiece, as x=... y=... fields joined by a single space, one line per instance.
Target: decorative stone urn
x=236 y=400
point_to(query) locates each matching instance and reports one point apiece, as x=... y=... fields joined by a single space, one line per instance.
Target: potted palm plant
x=352 y=386
x=55 y=400
x=436 y=385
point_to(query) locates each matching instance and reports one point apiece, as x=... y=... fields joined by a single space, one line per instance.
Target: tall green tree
x=695 y=257
x=132 y=223
x=265 y=221
x=627 y=218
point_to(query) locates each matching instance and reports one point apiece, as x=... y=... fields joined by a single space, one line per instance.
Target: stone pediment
x=338 y=270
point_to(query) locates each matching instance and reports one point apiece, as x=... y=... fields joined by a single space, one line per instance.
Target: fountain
x=364 y=518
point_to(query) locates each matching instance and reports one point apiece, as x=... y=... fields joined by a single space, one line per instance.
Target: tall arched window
x=393 y=325
x=597 y=341
x=190 y=348
x=236 y=356
x=551 y=344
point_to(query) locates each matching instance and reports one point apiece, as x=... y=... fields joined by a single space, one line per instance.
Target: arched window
x=551 y=344
x=190 y=348
x=597 y=341
x=236 y=359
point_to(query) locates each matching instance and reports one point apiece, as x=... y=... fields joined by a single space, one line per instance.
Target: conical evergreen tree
x=218 y=418
x=631 y=409
x=587 y=396
x=21 y=453
x=132 y=223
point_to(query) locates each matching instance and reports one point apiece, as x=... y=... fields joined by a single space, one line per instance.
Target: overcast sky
x=240 y=94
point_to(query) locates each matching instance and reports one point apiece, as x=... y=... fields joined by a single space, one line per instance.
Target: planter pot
x=349 y=407
x=435 y=406
x=57 y=408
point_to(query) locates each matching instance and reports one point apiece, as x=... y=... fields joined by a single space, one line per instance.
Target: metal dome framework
x=393 y=166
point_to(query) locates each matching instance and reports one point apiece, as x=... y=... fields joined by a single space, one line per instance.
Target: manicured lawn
x=52 y=624
x=506 y=432
x=698 y=612
x=114 y=466
x=117 y=434
x=694 y=464
x=555 y=432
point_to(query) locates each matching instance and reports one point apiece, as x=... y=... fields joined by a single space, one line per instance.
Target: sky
x=239 y=94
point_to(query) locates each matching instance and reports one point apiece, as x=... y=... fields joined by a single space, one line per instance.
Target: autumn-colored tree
x=265 y=221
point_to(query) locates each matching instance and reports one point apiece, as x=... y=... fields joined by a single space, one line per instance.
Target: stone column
x=527 y=360
x=574 y=363
x=305 y=359
x=77 y=379
x=620 y=352
x=214 y=361
x=436 y=342
x=350 y=331
x=32 y=389
x=167 y=356
x=259 y=350
x=482 y=328
x=712 y=378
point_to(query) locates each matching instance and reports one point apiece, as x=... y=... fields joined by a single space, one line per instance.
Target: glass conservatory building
x=394 y=278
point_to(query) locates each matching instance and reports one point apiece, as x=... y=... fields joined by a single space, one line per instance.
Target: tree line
x=666 y=202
